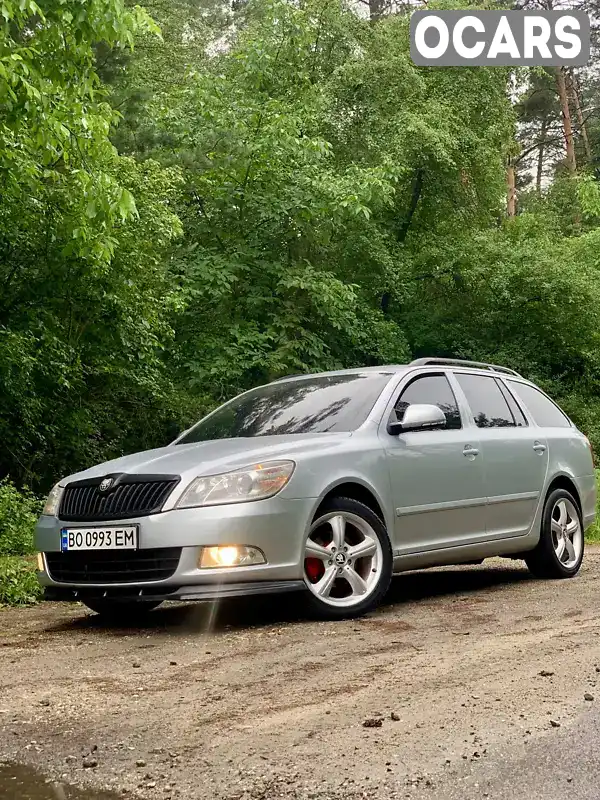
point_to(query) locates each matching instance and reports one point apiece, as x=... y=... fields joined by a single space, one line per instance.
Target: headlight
x=240 y=486
x=53 y=501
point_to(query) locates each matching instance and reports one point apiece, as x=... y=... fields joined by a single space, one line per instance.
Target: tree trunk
x=376 y=9
x=576 y=95
x=511 y=191
x=566 y=115
x=414 y=202
x=540 y=159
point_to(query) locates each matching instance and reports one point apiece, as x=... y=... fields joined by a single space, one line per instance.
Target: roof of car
x=434 y=363
x=385 y=369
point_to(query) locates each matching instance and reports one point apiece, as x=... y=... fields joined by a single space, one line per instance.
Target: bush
x=593 y=532
x=18 y=581
x=19 y=511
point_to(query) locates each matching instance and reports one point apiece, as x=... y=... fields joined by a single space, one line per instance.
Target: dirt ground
x=462 y=673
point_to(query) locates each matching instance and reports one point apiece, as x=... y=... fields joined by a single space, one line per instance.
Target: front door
x=436 y=475
x=515 y=455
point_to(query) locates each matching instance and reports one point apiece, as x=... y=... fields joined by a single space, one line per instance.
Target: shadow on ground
x=22 y=783
x=255 y=612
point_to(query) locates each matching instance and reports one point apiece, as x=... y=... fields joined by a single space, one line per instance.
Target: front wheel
x=121 y=610
x=347 y=560
x=559 y=552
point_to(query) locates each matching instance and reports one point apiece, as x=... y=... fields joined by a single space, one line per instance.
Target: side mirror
x=418 y=417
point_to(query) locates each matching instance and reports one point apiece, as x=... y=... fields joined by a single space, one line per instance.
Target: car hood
x=206 y=458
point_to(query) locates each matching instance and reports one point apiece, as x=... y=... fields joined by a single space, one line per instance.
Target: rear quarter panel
x=570 y=456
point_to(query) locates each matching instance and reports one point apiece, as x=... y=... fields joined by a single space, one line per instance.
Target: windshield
x=322 y=404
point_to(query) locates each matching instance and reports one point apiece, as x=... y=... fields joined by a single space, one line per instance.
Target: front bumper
x=277 y=526
x=163 y=592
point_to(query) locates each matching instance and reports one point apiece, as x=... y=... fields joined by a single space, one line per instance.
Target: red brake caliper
x=314 y=568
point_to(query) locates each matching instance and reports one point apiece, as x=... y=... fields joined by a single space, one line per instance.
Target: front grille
x=113 y=566
x=130 y=496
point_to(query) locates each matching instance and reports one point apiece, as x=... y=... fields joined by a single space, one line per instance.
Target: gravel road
x=468 y=680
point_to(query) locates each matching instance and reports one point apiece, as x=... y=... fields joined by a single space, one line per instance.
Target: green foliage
x=19 y=585
x=76 y=367
x=300 y=148
x=19 y=511
x=53 y=123
x=518 y=294
x=86 y=301
x=255 y=192
x=158 y=65
x=592 y=535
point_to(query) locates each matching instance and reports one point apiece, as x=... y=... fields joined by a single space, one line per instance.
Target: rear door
x=436 y=476
x=568 y=448
x=514 y=454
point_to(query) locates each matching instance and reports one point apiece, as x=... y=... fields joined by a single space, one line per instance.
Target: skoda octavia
x=328 y=484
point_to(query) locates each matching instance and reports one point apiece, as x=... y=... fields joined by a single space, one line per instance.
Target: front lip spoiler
x=132 y=594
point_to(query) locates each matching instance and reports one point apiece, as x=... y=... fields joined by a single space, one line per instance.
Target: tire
x=546 y=560
x=121 y=610
x=339 y=585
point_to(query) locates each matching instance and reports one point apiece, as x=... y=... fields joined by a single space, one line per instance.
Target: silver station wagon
x=328 y=484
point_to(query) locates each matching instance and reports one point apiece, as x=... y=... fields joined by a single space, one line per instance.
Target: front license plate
x=109 y=538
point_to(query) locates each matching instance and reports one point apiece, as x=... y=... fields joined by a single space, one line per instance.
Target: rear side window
x=488 y=404
x=545 y=413
x=434 y=390
x=513 y=405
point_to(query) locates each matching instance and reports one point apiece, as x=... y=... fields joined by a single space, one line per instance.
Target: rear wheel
x=347 y=560
x=121 y=610
x=559 y=552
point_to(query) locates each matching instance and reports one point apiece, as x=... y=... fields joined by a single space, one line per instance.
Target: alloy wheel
x=343 y=559
x=567 y=536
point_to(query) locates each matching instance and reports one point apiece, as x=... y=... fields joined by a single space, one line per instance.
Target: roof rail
x=458 y=362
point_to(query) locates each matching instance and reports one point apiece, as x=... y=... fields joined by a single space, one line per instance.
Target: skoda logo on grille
x=106 y=484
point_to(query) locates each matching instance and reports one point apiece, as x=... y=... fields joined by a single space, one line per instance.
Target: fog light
x=230 y=556
x=40 y=562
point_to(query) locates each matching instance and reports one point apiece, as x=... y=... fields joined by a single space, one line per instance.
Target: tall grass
x=592 y=535
x=18 y=513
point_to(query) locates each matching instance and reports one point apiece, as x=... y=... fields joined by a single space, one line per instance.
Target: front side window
x=321 y=404
x=545 y=413
x=432 y=390
x=487 y=403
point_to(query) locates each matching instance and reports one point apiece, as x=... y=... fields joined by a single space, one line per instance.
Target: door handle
x=539 y=447
x=470 y=451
